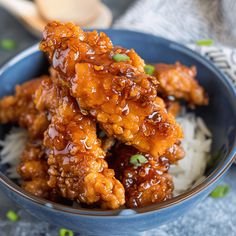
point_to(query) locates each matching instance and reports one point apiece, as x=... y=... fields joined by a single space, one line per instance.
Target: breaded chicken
x=110 y=84
x=20 y=109
x=33 y=170
x=148 y=182
x=76 y=160
x=179 y=81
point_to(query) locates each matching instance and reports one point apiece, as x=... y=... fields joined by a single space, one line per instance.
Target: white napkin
x=185 y=21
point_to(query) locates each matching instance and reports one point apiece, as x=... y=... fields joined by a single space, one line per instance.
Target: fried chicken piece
x=120 y=96
x=145 y=184
x=175 y=153
x=179 y=81
x=33 y=162
x=150 y=182
x=76 y=160
x=20 y=109
x=33 y=170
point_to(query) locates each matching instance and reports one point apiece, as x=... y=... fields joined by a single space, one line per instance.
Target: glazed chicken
x=149 y=182
x=115 y=91
x=33 y=170
x=76 y=160
x=20 y=109
x=179 y=81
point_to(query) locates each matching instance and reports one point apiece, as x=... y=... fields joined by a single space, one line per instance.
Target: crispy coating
x=19 y=108
x=179 y=81
x=150 y=182
x=33 y=161
x=175 y=153
x=146 y=184
x=119 y=95
x=33 y=170
x=76 y=160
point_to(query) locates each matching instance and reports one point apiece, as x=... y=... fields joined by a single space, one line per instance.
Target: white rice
x=187 y=173
x=12 y=148
x=197 y=145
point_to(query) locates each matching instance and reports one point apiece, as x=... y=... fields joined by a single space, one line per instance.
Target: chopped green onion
x=138 y=159
x=220 y=191
x=205 y=42
x=65 y=232
x=12 y=216
x=149 y=69
x=101 y=134
x=120 y=57
x=7 y=44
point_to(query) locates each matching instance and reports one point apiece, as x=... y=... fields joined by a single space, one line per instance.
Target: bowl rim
x=135 y=212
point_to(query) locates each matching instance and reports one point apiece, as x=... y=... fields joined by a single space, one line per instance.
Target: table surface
x=215 y=217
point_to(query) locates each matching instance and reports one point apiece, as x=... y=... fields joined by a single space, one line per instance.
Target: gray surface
x=11 y=28
x=118 y=7
x=211 y=217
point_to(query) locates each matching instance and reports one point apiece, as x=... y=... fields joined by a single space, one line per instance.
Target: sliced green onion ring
x=7 y=44
x=12 y=216
x=205 y=42
x=102 y=134
x=220 y=191
x=120 y=57
x=138 y=160
x=65 y=232
x=149 y=69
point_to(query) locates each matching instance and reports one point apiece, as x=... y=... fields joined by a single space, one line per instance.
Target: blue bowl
x=220 y=117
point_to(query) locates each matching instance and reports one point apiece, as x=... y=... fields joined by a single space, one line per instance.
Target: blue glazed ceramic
x=220 y=117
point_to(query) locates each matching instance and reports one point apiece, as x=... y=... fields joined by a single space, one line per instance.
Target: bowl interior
x=219 y=116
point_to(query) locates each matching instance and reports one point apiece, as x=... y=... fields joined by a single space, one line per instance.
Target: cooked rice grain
x=12 y=148
x=197 y=145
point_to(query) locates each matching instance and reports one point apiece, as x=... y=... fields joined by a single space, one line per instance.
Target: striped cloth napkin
x=223 y=57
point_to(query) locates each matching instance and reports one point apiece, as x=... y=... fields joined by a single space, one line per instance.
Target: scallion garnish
x=149 y=69
x=7 y=44
x=65 y=232
x=12 y=216
x=205 y=42
x=138 y=160
x=120 y=57
x=220 y=191
x=101 y=134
